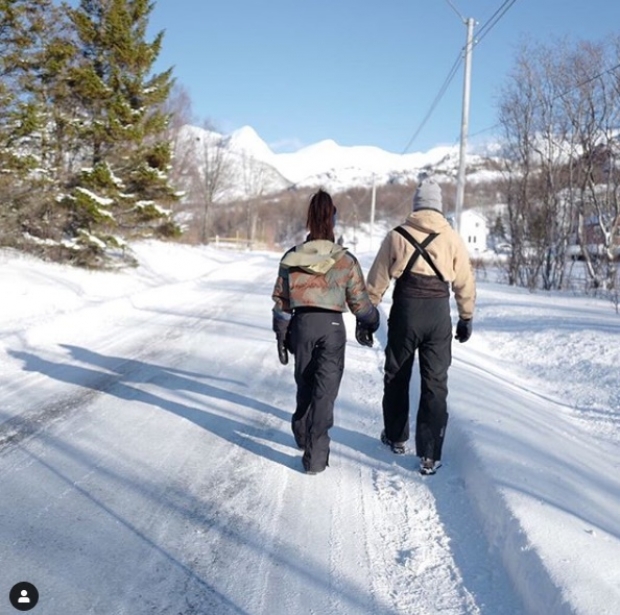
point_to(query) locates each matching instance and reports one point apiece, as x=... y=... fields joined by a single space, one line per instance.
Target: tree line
x=560 y=117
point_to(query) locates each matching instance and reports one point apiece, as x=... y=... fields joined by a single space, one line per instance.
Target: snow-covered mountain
x=258 y=170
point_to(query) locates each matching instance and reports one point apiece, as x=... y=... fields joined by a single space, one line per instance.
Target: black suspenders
x=420 y=249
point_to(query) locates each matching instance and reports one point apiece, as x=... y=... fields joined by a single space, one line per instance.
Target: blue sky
x=357 y=72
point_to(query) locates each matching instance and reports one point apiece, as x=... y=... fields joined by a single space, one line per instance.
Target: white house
x=474 y=230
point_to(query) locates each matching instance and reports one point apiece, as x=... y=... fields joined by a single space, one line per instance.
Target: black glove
x=463 y=330
x=366 y=326
x=363 y=335
x=373 y=325
x=282 y=351
x=282 y=331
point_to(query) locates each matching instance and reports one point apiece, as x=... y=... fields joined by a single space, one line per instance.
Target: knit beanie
x=427 y=195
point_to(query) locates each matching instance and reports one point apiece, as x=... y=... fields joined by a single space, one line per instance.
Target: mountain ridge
x=325 y=164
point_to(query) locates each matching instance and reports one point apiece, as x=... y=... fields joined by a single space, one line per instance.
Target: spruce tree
x=122 y=189
x=19 y=29
x=23 y=33
x=9 y=24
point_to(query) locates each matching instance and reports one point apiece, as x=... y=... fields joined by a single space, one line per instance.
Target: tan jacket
x=447 y=250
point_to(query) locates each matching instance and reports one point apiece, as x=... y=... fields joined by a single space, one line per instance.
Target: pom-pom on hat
x=427 y=195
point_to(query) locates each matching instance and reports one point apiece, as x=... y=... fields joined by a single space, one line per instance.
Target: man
x=426 y=257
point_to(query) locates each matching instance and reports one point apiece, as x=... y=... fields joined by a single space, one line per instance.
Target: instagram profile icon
x=24 y=596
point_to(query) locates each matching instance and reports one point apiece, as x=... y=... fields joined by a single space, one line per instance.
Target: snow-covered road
x=147 y=466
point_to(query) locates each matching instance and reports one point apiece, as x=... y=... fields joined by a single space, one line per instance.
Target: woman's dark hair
x=321 y=214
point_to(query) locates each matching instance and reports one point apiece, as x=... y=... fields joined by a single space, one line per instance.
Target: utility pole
x=460 y=184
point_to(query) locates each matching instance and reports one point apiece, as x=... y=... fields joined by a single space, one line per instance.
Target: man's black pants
x=421 y=325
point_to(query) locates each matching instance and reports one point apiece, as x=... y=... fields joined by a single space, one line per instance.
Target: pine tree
x=15 y=39
x=22 y=36
x=122 y=189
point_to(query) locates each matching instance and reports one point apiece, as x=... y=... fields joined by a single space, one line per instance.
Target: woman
x=317 y=281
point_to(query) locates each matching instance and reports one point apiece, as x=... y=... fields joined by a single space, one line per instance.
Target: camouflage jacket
x=321 y=274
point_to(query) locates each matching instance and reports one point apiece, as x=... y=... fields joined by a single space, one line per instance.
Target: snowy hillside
x=327 y=164
x=147 y=464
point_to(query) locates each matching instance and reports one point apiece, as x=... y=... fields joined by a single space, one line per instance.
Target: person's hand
x=374 y=324
x=282 y=351
x=363 y=335
x=281 y=327
x=463 y=330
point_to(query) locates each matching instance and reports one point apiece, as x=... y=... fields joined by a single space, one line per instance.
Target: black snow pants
x=318 y=339
x=422 y=325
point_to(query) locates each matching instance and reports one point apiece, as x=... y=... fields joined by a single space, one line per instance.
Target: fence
x=238 y=243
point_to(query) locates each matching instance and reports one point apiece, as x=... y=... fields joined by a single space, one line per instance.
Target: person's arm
x=357 y=297
x=464 y=284
x=366 y=314
x=464 y=288
x=281 y=314
x=379 y=276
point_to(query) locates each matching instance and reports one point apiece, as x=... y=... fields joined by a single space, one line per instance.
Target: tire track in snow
x=181 y=508
x=30 y=421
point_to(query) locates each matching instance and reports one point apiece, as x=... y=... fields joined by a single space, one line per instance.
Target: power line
x=589 y=80
x=486 y=28
x=565 y=93
x=435 y=102
x=494 y=19
x=455 y=10
x=484 y=31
